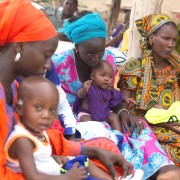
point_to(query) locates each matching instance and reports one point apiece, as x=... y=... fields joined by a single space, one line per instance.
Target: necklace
x=100 y=96
x=41 y=137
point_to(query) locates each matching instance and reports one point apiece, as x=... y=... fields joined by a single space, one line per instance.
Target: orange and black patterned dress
x=149 y=87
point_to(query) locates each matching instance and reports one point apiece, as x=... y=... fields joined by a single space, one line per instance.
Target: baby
x=28 y=149
x=98 y=98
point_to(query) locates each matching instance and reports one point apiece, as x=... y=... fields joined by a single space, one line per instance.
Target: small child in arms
x=28 y=149
x=97 y=98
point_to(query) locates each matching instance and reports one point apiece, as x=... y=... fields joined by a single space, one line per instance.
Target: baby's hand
x=129 y=100
x=87 y=85
x=60 y=159
x=76 y=173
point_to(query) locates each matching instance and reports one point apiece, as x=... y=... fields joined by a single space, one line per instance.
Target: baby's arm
x=129 y=100
x=22 y=149
x=61 y=160
x=81 y=93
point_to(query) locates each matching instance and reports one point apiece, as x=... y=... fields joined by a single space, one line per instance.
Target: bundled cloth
x=156 y=115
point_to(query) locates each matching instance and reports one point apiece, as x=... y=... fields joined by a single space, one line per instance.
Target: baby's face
x=103 y=77
x=39 y=109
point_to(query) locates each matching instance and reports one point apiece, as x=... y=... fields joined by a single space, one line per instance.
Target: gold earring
x=150 y=43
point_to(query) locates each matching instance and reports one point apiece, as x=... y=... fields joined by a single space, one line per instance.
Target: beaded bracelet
x=122 y=110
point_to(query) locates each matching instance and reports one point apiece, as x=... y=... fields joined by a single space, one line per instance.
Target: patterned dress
x=144 y=152
x=149 y=87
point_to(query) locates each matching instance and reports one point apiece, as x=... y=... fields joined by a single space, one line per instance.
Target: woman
x=88 y=32
x=154 y=79
x=27 y=42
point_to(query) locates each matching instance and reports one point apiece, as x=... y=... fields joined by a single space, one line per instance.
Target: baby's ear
x=92 y=76
x=19 y=107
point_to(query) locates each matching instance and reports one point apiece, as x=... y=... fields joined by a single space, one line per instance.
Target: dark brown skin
x=35 y=59
x=87 y=55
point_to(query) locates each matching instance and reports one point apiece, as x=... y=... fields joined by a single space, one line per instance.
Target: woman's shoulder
x=131 y=66
x=65 y=56
x=108 y=54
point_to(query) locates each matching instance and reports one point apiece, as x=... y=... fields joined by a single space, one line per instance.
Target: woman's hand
x=109 y=159
x=130 y=121
x=173 y=126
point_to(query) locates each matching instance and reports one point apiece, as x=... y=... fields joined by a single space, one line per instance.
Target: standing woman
x=154 y=79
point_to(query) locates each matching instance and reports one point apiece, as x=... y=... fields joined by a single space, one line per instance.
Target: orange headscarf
x=21 y=22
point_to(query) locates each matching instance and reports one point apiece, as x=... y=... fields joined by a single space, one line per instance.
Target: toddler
x=97 y=98
x=28 y=149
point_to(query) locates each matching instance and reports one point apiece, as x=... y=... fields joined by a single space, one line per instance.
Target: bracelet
x=122 y=110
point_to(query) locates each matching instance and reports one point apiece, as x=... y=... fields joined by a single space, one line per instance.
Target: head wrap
x=148 y=25
x=87 y=27
x=21 y=22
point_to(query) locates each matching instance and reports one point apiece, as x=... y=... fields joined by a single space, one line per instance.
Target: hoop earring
x=18 y=55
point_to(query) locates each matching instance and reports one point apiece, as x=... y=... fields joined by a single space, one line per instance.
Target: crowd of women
x=28 y=41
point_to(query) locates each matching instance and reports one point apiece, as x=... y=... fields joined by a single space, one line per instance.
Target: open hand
x=129 y=100
x=130 y=121
x=109 y=159
x=87 y=85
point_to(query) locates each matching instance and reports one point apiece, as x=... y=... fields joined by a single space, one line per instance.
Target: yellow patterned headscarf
x=148 y=25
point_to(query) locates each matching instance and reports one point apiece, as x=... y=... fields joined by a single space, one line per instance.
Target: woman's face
x=91 y=51
x=36 y=57
x=164 y=41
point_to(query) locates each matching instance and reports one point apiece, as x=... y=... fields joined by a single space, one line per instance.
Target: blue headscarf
x=87 y=27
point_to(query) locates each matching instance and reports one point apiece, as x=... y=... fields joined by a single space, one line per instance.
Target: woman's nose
x=45 y=114
x=47 y=66
x=95 y=58
x=171 y=43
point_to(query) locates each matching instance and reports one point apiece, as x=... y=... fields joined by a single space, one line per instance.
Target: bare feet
x=76 y=173
x=169 y=172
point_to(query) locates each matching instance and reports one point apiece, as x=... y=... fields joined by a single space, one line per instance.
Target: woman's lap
x=170 y=142
x=144 y=151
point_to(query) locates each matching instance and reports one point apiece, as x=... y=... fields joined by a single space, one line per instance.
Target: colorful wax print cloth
x=135 y=149
x=149 y=87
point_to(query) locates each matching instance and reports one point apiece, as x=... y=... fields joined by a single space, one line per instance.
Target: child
x=28 y=149
x=98 y=97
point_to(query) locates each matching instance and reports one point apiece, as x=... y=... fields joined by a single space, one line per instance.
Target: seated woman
x=154 y=79
x=73 y=66
x=27 y=43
